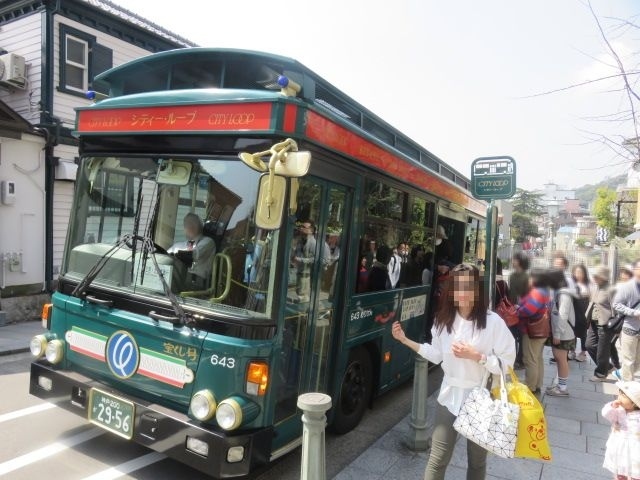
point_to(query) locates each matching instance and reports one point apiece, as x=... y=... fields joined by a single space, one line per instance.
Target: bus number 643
x=228 y=362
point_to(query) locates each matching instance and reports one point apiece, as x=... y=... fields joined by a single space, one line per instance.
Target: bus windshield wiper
x=148 y=251
x=91 y=275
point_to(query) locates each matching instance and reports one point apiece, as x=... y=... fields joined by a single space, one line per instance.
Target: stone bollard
x=417 y=438
x=313 y=406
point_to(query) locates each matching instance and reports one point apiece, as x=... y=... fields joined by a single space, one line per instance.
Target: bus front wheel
x=355 y=391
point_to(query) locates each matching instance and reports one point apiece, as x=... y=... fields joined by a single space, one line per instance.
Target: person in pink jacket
x=622 y=456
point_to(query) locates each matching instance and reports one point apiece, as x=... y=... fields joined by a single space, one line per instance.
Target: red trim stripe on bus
x=290 y=117
x=330 y=134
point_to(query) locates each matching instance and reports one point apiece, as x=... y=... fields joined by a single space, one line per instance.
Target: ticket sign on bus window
x=176 y=118
x=493 y=178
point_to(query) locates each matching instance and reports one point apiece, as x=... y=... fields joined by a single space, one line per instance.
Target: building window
x=76 y=64
x=81 y=58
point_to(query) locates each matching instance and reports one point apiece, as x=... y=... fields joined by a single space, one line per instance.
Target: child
x=621 y=456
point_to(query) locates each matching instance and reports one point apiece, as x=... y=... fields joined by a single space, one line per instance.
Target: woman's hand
x=397 y=332
x=464 y=350
x=556 y=341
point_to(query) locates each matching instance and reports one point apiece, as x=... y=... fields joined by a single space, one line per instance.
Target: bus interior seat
x=212 y=229
x=219 y=288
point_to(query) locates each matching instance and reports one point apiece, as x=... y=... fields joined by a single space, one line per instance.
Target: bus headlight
x=38 y=345
x=203 y=405
x=54 y=351
x=234 y=411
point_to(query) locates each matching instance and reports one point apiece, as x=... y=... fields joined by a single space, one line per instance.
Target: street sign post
x=492 y=178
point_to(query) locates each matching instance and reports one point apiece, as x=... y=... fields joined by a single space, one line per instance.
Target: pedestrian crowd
x=566 y=309
x=577 y=315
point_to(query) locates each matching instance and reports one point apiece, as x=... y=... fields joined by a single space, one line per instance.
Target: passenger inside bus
x=427 y=274
x=330 y=257
x=303 y=258
x=416 y=266
x=379 y=274
x=195 y=253
x=444 y=250
x=363 y=276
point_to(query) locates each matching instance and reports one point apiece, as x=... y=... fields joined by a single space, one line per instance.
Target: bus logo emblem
x=122 y=354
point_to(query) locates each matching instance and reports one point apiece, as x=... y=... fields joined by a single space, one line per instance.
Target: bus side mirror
x=292 y=164
x=295 y=165
x=172 y=172
x=270 y=205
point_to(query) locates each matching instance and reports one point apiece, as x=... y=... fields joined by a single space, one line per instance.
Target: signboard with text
x=176 y=118
x=493 y=178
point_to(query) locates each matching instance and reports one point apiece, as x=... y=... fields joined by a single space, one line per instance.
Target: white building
x=554 y=197
x=51 y=51
x=22 y=207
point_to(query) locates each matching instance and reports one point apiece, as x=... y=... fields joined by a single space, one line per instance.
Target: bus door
x=318 y=233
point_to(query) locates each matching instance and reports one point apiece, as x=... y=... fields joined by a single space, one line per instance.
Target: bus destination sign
x=176 y=118
x=493 y=178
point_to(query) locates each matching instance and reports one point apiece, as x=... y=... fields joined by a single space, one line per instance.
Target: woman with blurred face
x=468 y=340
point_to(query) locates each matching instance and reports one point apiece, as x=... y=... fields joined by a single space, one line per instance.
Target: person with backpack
x=535 y=328
x=562 y=339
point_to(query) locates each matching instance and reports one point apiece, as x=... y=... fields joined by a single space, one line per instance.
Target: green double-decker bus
x=242 y=232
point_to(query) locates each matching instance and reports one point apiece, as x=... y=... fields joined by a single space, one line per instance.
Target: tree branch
x=581 y=84
x=631 y=94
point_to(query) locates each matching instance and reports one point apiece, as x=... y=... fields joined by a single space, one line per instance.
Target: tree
x=604 y=208
x=527 y=203
x=527 y=207
x=522 y=226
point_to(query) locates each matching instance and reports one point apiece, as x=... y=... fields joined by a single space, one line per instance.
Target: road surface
x=41 y=441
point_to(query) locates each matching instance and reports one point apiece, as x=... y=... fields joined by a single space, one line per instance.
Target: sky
x=460 y=77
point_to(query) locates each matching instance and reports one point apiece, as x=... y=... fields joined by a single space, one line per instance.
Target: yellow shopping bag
x=532 y=439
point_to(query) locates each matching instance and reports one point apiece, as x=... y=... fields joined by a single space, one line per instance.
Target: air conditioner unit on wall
x=66 y=170
x=13 y=71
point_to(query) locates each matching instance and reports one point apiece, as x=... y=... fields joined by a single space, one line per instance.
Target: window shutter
x=101 y=61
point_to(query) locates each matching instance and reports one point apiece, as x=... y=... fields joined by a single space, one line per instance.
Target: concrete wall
x=22 y=223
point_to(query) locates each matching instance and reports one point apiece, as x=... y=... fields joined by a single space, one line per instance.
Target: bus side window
x=403 y=223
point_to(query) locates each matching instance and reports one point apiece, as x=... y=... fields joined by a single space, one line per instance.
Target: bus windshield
x=198 y=216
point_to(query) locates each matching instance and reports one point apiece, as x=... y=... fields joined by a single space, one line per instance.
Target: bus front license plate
x=111 y=413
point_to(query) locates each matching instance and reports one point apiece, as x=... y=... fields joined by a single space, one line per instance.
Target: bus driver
x=196 y=252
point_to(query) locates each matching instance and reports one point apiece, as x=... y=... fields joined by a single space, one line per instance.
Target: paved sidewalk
x=14 y=338
x=577 y=434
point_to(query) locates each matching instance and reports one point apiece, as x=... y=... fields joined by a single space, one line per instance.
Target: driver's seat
x=221 y=270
